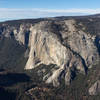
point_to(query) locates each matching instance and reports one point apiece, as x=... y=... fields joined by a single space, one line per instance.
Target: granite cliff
x=68 y=43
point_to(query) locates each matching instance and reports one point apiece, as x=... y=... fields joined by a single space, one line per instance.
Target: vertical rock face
x=77 y=51
x=56 y=42
x=81 y=43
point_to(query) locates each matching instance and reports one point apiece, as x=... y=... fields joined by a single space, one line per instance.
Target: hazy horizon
x=23 y=9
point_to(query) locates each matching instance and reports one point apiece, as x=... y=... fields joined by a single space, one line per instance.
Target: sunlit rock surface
x=58 y=42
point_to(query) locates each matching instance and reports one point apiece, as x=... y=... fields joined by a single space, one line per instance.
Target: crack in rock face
x=60 y=43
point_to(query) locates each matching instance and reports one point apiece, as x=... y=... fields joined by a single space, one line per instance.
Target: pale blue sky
x=19 y=9
x=50 y=4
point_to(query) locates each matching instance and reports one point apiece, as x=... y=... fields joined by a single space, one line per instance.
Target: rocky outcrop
x=95 y=88
x=56 y=42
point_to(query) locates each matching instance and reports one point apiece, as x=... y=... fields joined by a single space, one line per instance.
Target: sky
x=25 y=9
